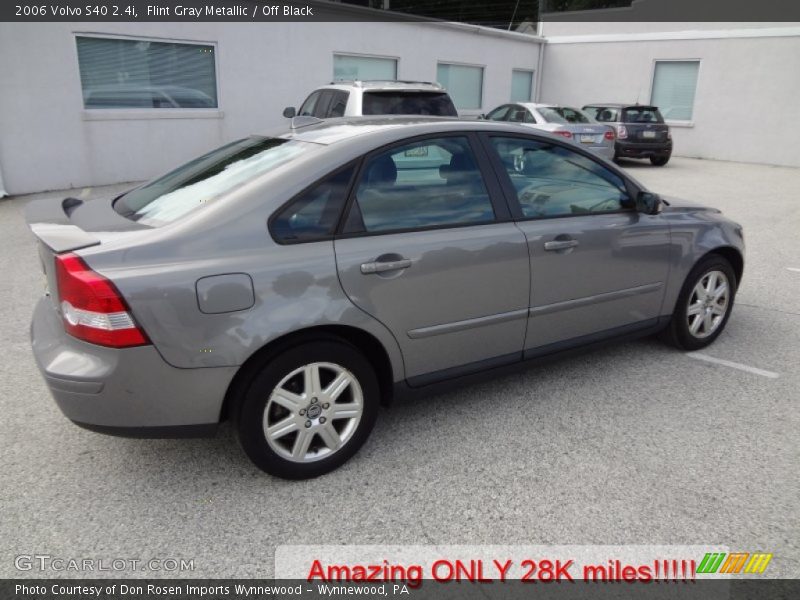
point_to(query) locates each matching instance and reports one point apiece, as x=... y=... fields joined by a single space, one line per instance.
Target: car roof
x=535 y=105
x=333 y=131
x=384 y=84
x=620 y=105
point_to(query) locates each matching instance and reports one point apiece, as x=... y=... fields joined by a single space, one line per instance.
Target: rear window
x=562 y=114
x=202 y=180
x=642 y=114
x=436 y=104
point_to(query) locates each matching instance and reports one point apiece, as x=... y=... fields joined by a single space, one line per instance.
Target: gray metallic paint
x=480 y=277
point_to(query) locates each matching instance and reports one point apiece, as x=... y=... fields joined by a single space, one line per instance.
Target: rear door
x=598 y=267
x=428 y=249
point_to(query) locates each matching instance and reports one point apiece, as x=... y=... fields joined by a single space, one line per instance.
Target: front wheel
x=308 y=410
x=704 y=304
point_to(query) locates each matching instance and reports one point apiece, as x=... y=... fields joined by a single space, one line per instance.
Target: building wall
x=48 y=141
x=747 y=89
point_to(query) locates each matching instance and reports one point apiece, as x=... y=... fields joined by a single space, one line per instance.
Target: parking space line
x=795 y=269
x=733 y=365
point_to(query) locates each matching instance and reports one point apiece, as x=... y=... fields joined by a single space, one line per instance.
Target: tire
x=659 y=161
x=684 y=330
x=308 y=445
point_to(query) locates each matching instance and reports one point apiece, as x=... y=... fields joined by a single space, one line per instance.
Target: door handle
x=385 y=266
x=560 y=244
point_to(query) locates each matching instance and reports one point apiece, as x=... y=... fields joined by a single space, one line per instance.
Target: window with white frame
x=674 y=86
x=521 y=85
x=346 y=66
x=128 y=73
x=464 y=83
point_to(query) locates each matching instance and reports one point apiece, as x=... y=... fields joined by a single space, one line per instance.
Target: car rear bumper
x=642 y=150
x=604 y=151
x=132 y=391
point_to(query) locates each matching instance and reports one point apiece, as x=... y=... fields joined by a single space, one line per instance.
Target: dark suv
x=641 y=131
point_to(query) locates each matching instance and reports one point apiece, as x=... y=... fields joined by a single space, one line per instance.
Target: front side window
x=314 y=214
x=464 y=84
x=500 y=113
x=338 y=104
x=674 y=86
x=205 y=179
x=554 y=181
x=123 y=73
x=309 y=107
x=430 y=183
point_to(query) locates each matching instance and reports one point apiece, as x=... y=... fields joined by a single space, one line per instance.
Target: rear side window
x=562 y=114
x=644 y=114
x=602 y=114
x=206 y=178
x=430 y=183
x=313 y=215
x=436 y=104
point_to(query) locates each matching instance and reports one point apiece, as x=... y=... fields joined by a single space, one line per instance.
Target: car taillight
x=622 y=132
x=92 y=307
x=565 y=134
x=609 y=135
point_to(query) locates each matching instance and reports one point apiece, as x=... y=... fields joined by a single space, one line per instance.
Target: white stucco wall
x=48 y=140
x=747 y=89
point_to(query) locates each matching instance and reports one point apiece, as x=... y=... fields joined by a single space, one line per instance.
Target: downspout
x=538 y=91
x=3 y=192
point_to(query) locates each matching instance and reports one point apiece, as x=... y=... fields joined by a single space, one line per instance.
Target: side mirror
x=648 y=203
x=289 y=112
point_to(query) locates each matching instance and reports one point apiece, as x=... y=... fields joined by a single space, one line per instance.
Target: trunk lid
x=72 y=224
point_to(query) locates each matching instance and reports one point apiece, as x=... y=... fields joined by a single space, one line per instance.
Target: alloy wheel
x=313 y=412
x=708 y=304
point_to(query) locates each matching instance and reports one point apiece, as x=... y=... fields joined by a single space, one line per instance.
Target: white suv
x=363 y=98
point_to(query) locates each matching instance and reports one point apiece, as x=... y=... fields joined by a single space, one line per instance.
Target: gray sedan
x=292 y=283
x=569 y=123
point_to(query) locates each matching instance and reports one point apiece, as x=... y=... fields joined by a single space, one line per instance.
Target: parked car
x=371 y=98
x=564 y=121
x=641 y=131
x=292 y=283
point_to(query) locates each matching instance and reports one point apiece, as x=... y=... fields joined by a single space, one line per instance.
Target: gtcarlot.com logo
x=47 y=562
x=734 y=563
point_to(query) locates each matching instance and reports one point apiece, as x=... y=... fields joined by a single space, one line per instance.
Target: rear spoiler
x=49 y=221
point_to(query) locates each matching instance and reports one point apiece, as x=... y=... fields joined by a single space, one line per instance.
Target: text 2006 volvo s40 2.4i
x=293 y=283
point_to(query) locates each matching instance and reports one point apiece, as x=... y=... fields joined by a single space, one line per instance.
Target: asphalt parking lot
x=634 y=444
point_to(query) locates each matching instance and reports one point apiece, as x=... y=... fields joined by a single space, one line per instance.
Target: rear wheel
x=308 y=410
x=704 y=304
x=659 y=161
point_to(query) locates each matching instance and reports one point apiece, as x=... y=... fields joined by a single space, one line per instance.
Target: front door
x=598 y=267
x=423 y=252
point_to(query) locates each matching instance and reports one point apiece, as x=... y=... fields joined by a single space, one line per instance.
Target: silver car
x=293 y=283
x=569 y=123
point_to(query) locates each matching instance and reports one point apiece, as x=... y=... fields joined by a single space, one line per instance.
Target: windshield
x=206 y=178
x=643 y=114
x=562 y=114
x=436 y=104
